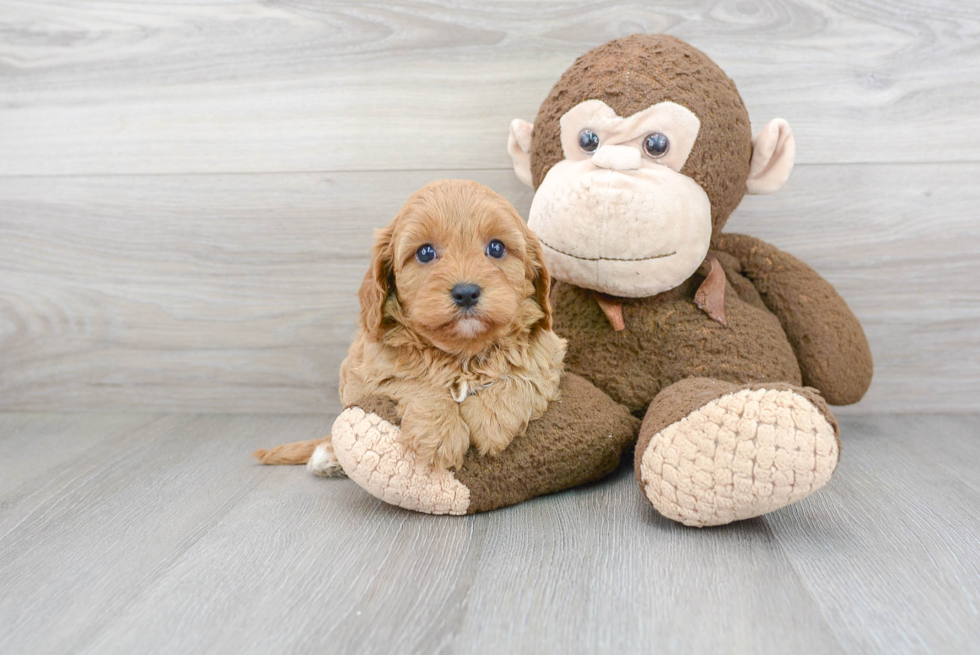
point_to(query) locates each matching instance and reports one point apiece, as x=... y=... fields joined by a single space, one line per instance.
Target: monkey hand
x=830 y=345
x=579 y=439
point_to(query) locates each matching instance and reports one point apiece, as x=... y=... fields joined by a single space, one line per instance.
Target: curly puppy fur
x=462 y=376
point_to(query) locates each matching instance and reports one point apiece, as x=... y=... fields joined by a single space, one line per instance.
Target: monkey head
x=638 y=156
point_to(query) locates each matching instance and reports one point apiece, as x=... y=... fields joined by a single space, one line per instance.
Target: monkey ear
x=377 y=284
x=773 y=153
x=519 y=147
x=539 y=276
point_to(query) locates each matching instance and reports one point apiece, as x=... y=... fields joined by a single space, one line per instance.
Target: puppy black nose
x=465 y=295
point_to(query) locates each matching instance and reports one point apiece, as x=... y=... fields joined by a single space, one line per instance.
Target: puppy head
x=459 y=267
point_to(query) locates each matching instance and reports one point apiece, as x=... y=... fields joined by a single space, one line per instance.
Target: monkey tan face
x=639 y=154
x=616 y=215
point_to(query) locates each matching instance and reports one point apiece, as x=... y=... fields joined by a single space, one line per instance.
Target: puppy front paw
x=450 y=452
x=442 y=445
x=491 y=439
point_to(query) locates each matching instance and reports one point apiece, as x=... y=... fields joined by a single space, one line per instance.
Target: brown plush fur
x=828 y=341
x=667 y=338
x=418 y=348
x=635 y=72
x=580 y=439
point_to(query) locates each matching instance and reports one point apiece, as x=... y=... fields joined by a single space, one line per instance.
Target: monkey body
x=668 y=338
x=729 y=348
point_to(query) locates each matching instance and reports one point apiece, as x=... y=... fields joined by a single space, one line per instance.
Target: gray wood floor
x=155 y=533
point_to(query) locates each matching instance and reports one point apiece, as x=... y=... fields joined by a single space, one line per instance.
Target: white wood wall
x=188 y=189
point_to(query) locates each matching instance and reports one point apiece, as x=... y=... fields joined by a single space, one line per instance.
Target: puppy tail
x=297 y=452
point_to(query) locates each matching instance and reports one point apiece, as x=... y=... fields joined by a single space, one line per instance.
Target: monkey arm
x=830 y=345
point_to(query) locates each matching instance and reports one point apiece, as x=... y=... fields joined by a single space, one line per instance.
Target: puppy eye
x=656 y=145
x=588 y=140
x=425 y=254
x=496 y=249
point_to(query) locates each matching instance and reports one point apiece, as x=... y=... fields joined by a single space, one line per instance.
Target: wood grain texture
x=38 y=451
x=922 y=472
x=238 y=292
x=187 y=190
x=176 y=87
x=85 y=538
x=167 y=539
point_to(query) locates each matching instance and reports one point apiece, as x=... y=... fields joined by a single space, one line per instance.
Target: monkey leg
x=712 y=452
x=581 y=438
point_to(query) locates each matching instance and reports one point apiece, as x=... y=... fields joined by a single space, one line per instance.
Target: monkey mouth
x=607 y=259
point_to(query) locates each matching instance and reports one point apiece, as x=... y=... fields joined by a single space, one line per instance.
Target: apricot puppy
x=455 y=326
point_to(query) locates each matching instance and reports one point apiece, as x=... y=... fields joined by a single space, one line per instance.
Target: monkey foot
x=743 y=452
x=581 y=438
x=368 y=448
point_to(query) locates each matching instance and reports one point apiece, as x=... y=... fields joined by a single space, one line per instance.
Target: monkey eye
x=496 y=249
x=425 y=254
x=656 y=145
x=588 y=140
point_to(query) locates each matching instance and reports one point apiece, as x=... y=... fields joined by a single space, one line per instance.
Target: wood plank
x=33 y=445
x=369 y=577
x=897 y=528
x=113 y=520
x=174 y=87
x=237 y=292
x=628 y=580
x=174 y=542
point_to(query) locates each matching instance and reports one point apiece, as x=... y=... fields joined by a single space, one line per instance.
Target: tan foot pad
x=368 y=449
x=742 y=455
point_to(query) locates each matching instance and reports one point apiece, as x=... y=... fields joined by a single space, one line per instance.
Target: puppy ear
x=377 y=284
x=538 y=274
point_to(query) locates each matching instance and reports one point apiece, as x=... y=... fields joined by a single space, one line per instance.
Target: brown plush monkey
x=722 y=342
x=727 y=347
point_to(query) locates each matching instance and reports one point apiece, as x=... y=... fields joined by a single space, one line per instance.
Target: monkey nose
x=617 y=158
